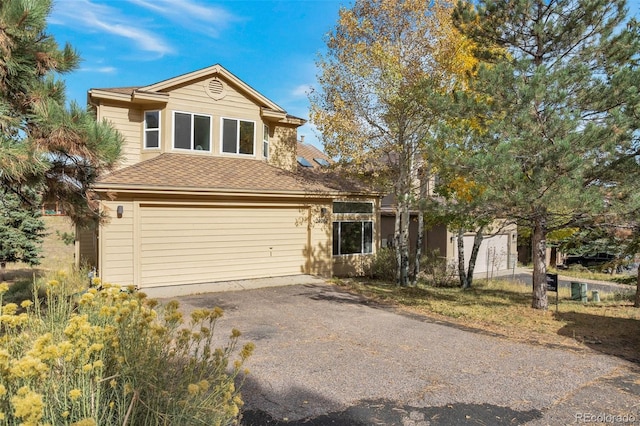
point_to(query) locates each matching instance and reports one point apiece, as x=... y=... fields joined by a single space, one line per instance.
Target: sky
x=270 y=45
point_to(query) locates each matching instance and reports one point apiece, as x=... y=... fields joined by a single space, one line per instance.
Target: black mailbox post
x=552 y=285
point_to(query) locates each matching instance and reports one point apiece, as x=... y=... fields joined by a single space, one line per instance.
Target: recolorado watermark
x=606 y=418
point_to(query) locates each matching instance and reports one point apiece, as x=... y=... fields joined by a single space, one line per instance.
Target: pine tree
x=21 y=231
x=46 y=148
x=555 y=105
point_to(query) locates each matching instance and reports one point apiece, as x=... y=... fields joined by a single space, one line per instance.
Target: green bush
x=110 y=356
x=383 y=266
x=437 y=272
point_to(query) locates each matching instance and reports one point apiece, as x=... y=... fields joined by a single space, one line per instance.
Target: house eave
x=246 y=193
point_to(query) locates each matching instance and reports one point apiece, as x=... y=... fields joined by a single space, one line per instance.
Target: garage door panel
x=189 y=245
x=493 y=254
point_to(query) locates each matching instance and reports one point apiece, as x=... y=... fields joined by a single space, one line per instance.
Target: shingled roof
x=170 y=171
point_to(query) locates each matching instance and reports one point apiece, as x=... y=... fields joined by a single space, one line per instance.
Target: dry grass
x=56 y=255
x=503 y=308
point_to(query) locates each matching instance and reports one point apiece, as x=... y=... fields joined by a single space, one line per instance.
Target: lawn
x=56 y=255
x=503 y=308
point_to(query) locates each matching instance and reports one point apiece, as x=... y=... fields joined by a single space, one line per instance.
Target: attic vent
x=215 y=89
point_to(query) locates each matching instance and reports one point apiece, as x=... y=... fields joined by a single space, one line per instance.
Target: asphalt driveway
x=324 y=356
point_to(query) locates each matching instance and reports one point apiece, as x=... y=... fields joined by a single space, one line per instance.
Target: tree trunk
x=396 y=241
x=477 y=241
x=420 y=239
x=636 y=303
x=404 y=243
x=461 y=264
x=539 y=300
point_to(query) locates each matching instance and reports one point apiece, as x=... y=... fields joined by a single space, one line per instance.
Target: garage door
x=492 y=256
x=188 y=245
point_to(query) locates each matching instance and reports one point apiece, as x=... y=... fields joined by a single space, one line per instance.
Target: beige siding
x=319 y=252
x=117 y=243
x=180 y=245
x=129 y=123
x=283 y=148
x=194 y=98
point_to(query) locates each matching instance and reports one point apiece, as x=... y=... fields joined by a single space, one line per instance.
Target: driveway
x=324 y=356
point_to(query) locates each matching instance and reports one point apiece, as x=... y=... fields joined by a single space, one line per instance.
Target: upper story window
x=265 y=141
x=151 y=129
x=191 y=131
x=238 y=136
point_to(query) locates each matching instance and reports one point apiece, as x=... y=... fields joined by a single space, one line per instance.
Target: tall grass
x=111 y=356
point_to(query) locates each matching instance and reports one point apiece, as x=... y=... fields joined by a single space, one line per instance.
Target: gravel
x=324 y=356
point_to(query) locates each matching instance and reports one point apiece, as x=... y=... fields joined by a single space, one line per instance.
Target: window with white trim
x=352 y=237
x=151 y=129
x=191 y=131
x=238 y=136
x=265 y=141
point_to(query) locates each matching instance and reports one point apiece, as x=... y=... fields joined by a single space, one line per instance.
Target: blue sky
x=270 y=45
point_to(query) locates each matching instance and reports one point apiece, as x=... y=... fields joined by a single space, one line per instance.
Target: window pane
x=182 y=131
x=336 y=238
x=201 y=132
x=368 y=237
x=152 y=119
x=246 y=137
x=152 y=139
x=352 y=207
x=229 y=135
x=265 y=141
x=350 y=237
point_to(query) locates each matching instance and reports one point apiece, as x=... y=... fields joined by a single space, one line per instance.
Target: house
x=498 y=250
x=211 y=189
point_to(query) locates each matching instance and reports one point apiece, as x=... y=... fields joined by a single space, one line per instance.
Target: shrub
x=436 y=271
x=111 y=356
x=383 y=266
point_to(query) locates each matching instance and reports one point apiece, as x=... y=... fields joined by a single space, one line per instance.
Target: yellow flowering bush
x=109 y=356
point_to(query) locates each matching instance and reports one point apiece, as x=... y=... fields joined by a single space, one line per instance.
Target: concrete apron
x=190 y=289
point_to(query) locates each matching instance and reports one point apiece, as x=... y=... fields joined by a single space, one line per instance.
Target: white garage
x=493 y=254
x=198 y=244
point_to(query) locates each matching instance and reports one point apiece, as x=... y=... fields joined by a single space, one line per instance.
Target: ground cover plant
x=111 y=356
x=502 y=308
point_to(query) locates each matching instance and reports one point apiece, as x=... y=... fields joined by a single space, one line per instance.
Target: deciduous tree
x=382 y=81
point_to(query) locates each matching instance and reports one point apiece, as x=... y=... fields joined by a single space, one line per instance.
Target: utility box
x=579 y=291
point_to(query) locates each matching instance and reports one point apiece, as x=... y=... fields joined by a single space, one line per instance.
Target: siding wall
x=193 y=98
x=116 y=239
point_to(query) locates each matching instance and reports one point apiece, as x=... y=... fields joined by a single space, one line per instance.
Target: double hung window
x=151 y=129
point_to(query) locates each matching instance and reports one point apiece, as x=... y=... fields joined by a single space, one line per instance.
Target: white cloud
x=302 y=90
x=100 y=70
x=193 y=16
x=91 y=17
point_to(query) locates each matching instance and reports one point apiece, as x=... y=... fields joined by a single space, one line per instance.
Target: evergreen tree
x=45 y=146
x=21 y=231
x=556 y=104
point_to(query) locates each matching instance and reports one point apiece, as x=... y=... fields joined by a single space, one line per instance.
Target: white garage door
x=188 y=245
x=492 y=256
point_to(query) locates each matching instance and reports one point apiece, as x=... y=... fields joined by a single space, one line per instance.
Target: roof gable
x=213 y=71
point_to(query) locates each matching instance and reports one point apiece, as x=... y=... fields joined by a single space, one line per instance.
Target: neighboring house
x=498 y=251
x=210 y=190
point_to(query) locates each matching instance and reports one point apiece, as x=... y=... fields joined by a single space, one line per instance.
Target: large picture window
x=191 y=131
x=152 y=129
x=238 y=136
x=352 y=237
